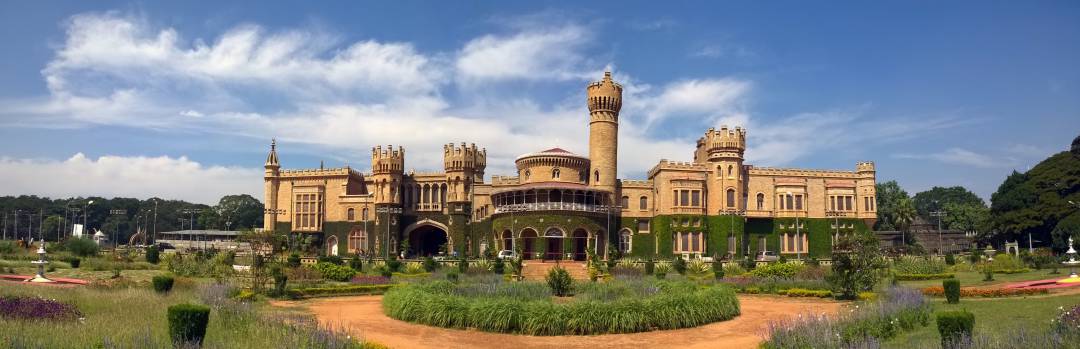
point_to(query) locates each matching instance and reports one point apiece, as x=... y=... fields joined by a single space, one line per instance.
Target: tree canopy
x=1036 y=202
x=889 y=196
x=937 y=198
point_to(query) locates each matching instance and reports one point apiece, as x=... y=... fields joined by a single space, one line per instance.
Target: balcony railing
x=555 y=206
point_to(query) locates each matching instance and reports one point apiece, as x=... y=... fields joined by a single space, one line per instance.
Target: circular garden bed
x=529 y=308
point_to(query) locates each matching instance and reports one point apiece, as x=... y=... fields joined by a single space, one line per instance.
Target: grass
x=970 y=278
x=135 y=318
x=992 y=316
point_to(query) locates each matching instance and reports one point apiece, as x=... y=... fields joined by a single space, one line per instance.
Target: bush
x=971 y=292
x=187 y=324
x=679 y=265
x=356 y=264
x=954 y=326
x=498 y=266
x=334 y=272
x=394 y=264
x=780 y=270
x=386 y=273
x=430 y=265
x=335 y=260
x=558 y=279
x=339 y=290
x=855 y=265
x=661 y=270
x=950 y=259
x=152 y=255
x=162 y=283
x=81 y=247
x=897 y=310
x=453 y=276
x=35 y=308
x=75 y=262
x=463 y=265
x=989 y=274
x=951 y=287
x=650 y=266
x=976 y=255
x=916 y=277
x=798 y=292
x=293 y=260
x=7 y=247
x=281 y=281
x=918 y=265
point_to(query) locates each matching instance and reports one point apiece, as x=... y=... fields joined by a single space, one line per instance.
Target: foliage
x=355 y=263
x=369 y=280
x=393 y=264
x=74 y=262
x=950 y=259
x=197 y=265
x=7 y=247
x=918 y=265
x=430 y=265
x=938 y=198
x=855 y=265
x=971 y=292
x=889 y=195
x=899 y=310
x=281 y=280
x=463 y=265
x=293 y=261
x=152 y=255
x=162 y=283
x=1036 y=201
x=558 y=279
x=951 y=287
x=1007 y=262
x=498 y=266
x=916 y=277
x=777 y=270
x=330 y=291
x=81 y=247
x=953 y=326
x=904 y=214
x=799 y=292
x=187 y=323
x=35 y=308
x=675 y=306
x=335 y=260
x=679 y=265
x=754 y=285
x=650 y=266
x=334 y=272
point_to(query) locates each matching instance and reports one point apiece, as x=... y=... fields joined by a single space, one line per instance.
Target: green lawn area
x=970 y=279
x=995 y=316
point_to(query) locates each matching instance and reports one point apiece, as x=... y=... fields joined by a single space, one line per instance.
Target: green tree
x=1036 y=202
x=938 y=197
x=856 y=262
x=966 y=217
x=239 y=212
x=889 y=194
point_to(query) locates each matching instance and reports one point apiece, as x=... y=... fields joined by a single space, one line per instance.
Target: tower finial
x=272 y=158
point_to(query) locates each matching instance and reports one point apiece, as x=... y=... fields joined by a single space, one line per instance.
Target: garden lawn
x=970 y=279
x=994 y=316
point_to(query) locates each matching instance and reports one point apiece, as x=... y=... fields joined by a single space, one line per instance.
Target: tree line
x=29 y=216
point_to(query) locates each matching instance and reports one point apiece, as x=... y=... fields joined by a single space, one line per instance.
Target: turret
x=605 y=101
x=865 y=167
x=464 y=167
x=722 y=152
x=387 y=167
x=270 y=187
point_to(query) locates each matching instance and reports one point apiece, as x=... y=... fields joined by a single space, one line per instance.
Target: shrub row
x=339 y=291
x=798 y=292
x=425 y=305
x=914 y=277
x=1011 y=271
x=938 y=291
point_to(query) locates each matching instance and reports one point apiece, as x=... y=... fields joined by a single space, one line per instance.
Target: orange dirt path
x=362 y=316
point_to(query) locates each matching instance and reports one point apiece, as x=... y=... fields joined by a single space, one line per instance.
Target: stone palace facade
x=561 y=205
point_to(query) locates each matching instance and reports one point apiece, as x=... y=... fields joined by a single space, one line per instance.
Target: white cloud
x=531 y=54
x=119 y=176
x=962 y=157
x=712 y=99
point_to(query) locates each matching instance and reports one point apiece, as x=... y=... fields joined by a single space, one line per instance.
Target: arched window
x=760 y=201
x=625 y=202
x=596 y=174
x=527 y=173
x=625 y=241
x=555 y=173
x=643 y=203
x=730 y=171
x=350 y=214
x=731 y=198
x=357 y=241
x=364 y=214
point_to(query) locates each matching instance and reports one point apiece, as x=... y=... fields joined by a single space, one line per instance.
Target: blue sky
x=181 y=99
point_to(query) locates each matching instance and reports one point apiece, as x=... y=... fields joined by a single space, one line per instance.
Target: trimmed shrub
x=650 y=266
x=187 y=324
x=356 y=264
x=951 y=288
x=332 y=260
x=430 y=265
x=558 y=279
x=81 y=247
x=334 y=272
x=989 y=275
x=385 y=272
x=394 y=264
x=798 y=292
x=463 y=265
x=162 y=283
x=777 y=270
x=498 y=266
x=339 y=291
x=950 y=259
x=293 y=260
x=152 y=255
x=75 y=262
x=954 y=326
x=971 y=292
x=679 y=265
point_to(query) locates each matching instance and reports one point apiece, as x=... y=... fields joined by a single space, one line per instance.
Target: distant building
x=559 y=204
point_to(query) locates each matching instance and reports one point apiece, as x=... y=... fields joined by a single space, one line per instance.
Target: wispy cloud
x=961 y=157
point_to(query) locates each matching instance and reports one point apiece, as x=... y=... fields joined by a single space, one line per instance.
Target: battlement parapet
x=864 y=166
x=723 y=143
x=637 y=183
x=387 y=160
x=340 y=171
x=505 y=180
x=464 y=157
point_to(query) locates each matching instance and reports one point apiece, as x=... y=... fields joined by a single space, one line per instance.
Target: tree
x=239 y=212
x=1036 y=202
x=889 y=194
x=966 y=217
x=855 y=265
x=938 y=197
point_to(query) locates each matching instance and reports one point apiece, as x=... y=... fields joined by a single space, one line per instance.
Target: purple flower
x=370 y=280
x=33 y=308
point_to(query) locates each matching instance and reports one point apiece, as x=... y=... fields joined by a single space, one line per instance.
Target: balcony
x=555 y=206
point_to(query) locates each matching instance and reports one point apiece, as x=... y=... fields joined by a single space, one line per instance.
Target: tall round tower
x=270 y=187
x=605 y=101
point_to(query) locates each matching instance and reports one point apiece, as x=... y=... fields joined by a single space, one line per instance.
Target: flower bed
x=33 y=308
x=370 y=280
x=915 y=277
x=938 y=291
x=899 y=310
x=670 y=305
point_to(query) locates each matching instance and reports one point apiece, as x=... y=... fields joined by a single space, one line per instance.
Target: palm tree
x=903 y=215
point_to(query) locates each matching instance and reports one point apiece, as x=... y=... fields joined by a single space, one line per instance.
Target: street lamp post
x=191 y=224
x=86 y=212
x=938 y=214
x=116 y=230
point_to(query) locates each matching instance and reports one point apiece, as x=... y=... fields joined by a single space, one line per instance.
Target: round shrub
x=950 y=259
x=356 y=264
x=187 y=324
x=777 y=270
x=672 y=306
x=152 y=255
x=293 y=260
x=558 y=279
x=954 y=327
x=75 y=262
x=679 y=265
x=385 y=272
x=952 y=290
x=81 y=247
x=162 y=283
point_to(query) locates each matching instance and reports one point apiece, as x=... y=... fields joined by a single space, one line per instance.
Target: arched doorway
x=426 y=240
x=528 y=239
x=580 y=243
x=554 y=238
x=331 y=246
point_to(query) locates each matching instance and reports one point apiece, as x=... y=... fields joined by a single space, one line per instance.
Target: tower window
x=643 y=203
x=760 y=201
x=350 y=214
x=730 y=171
x=625 y=203
x=596 y=175
x=555 y=173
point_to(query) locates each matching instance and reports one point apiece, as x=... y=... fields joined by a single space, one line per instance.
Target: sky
x=181 y=99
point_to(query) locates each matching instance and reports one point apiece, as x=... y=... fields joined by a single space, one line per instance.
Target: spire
x=271 y=159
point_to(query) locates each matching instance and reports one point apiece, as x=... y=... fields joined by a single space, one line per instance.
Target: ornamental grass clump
x=34 y=308
x=187 y=324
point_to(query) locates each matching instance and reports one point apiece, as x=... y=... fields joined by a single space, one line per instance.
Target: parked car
x=504 y=254
x=767 y=256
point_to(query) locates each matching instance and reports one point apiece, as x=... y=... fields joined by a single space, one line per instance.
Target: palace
x=561 y=205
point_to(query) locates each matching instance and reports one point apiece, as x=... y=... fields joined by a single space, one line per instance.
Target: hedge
x=667 y=310
x=339 y=291
x=915 y=277
x=187 y=324
x=938 y=291
x=798 y=292
x=951 y=288
x=1011 y=271
x=954 y=326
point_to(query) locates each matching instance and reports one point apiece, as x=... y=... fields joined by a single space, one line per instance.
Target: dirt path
x=363 y=316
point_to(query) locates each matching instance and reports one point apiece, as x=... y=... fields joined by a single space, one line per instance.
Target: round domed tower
x=605 y=101
x=553 y=165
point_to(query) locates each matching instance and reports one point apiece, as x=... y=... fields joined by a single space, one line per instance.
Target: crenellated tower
x=605 y=101
x=464 y=166
x=722 y=152
x=387 y=167
x=270 y=187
